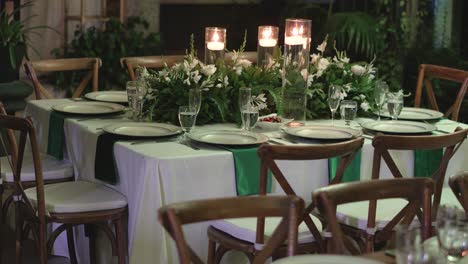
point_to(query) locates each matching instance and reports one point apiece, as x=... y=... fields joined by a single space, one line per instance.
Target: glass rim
x=215 y=29
x=303 y=20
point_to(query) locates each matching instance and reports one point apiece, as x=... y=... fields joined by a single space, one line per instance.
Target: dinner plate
x=228 y=137
x=108 y=96
x=322 y=132
x=142 y=129
x=325 y=259
x=399 y=127
x=416 y=114
x=88 y=108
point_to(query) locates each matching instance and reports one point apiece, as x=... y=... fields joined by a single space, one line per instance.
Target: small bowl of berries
x=272 y=122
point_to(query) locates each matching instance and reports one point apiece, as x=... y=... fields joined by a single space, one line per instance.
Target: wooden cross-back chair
x=74 y=64
x=173 y=216
x=459 y=185
x=427 y=72
x=228 y=238
x=416 y=191
x=151 y=62
x=66 y=203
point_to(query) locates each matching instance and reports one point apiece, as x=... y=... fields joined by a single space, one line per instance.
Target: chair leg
x=211 y=251
x=5 y=207
x=91 y=234
x=121 y=237
x=71 y=245
x=19 y=232
x=1 y=207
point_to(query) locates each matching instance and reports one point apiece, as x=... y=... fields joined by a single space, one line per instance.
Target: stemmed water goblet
x=395 y=104
x=245 y=105
x=334 y=98
x=187 y=119
x=195 y=98
x=380 y=93
x=348 y=111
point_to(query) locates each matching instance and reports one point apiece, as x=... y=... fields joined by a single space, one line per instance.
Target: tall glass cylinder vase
x=215 y=43
x=267 y=43
x=297 y=38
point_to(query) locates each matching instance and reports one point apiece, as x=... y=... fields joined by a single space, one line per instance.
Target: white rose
x=208 y=70
x=365 y=106
x=244 y=62
x=358 y=70
x=323 y=64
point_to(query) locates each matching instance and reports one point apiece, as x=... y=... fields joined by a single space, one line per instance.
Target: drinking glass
x=380 y=92
x=141 y=93
x=245 y=100
x=334 y=98
x=293 y=106
x=410 y=249
x=452 y=232
x=348 y=110
x=132 y=98
x=249 y=116
x=395 y=104
x=187 y=119
x=195 y=98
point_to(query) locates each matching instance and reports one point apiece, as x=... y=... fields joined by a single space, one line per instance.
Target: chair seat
x=448 y=198
x=52 y=169
x=355 y=214
x=245 y=228
x=78 y=196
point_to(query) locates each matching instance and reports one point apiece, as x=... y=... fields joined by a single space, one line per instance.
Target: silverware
x=275 y=141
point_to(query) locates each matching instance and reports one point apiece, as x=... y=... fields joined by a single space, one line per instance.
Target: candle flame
x=301 y=30
x=295 y=31
x=267 y=33
x=215 y=37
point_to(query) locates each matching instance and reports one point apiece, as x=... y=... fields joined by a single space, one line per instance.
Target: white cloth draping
x=158 y=173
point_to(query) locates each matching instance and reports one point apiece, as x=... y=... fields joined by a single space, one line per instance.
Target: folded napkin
x=352 y=172
x=56 y=137
x=104 y=163
x=426 y=162
x=247 y=168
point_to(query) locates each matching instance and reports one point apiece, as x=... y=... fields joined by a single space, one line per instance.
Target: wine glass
x=195 y=98
x=452 y=232
x=348 y=111
x=187 y=119
x=249 y=116
x=334 y=98
x=395 y=104
x=245 y=101
x=380 y=92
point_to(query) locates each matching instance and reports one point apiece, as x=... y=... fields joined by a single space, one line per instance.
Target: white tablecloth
x=159 y=173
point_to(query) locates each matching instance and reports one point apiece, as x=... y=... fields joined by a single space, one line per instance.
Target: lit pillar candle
x=267 y=41
x=215 y=43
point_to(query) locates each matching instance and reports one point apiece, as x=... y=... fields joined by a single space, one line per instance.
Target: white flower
x=347 y=87
x=187 y=81
x=362 y=96
x=310 y=78
x=167 y=79
x=323 y=64
x=314 y=57
x=238 y=70
x=226 y=81
x=304 y=73
x=259 y=101
x=358 y=70
x=144 y=73
x=244 y=63
x=219 y=85
x=343 y=95
x=365 y=106
x=208 y=70
x=195 y=76
x=322 y=46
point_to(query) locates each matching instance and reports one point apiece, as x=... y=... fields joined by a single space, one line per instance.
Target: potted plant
x=14 y=42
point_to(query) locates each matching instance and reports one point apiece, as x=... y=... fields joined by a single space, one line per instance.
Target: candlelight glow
x=267 y=33
x=215 y=37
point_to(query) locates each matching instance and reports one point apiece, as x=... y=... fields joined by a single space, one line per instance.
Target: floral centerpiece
x=220 y=84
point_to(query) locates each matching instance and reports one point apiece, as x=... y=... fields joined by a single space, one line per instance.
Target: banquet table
x=156 y=173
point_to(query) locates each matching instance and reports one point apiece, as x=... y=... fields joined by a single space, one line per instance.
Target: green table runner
x=247 y=170
x=352 y=172
x=56 y=136
x=426 y=162
x=104 y=162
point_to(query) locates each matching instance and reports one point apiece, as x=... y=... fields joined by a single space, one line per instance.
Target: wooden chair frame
x=30 y=219
x=149 y=62
x=417 y=191
x=451 y=142
x=173 y=216
x=428 y=71
x=459 y=185
x=268 y=154
x=74 y=64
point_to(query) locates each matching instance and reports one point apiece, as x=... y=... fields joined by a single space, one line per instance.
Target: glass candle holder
x=267 y=42
x=215 y=43
x=297 y=38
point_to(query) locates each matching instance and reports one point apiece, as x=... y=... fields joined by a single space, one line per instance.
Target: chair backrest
x=269 y=154
x=25 y=128
x=451 y=142
x=417 y=191
x=12 y=146
x=74 y=64
x=427 y=72
x=248 y=55
x=173 y=216
x=459 y=185
x=154 y=62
